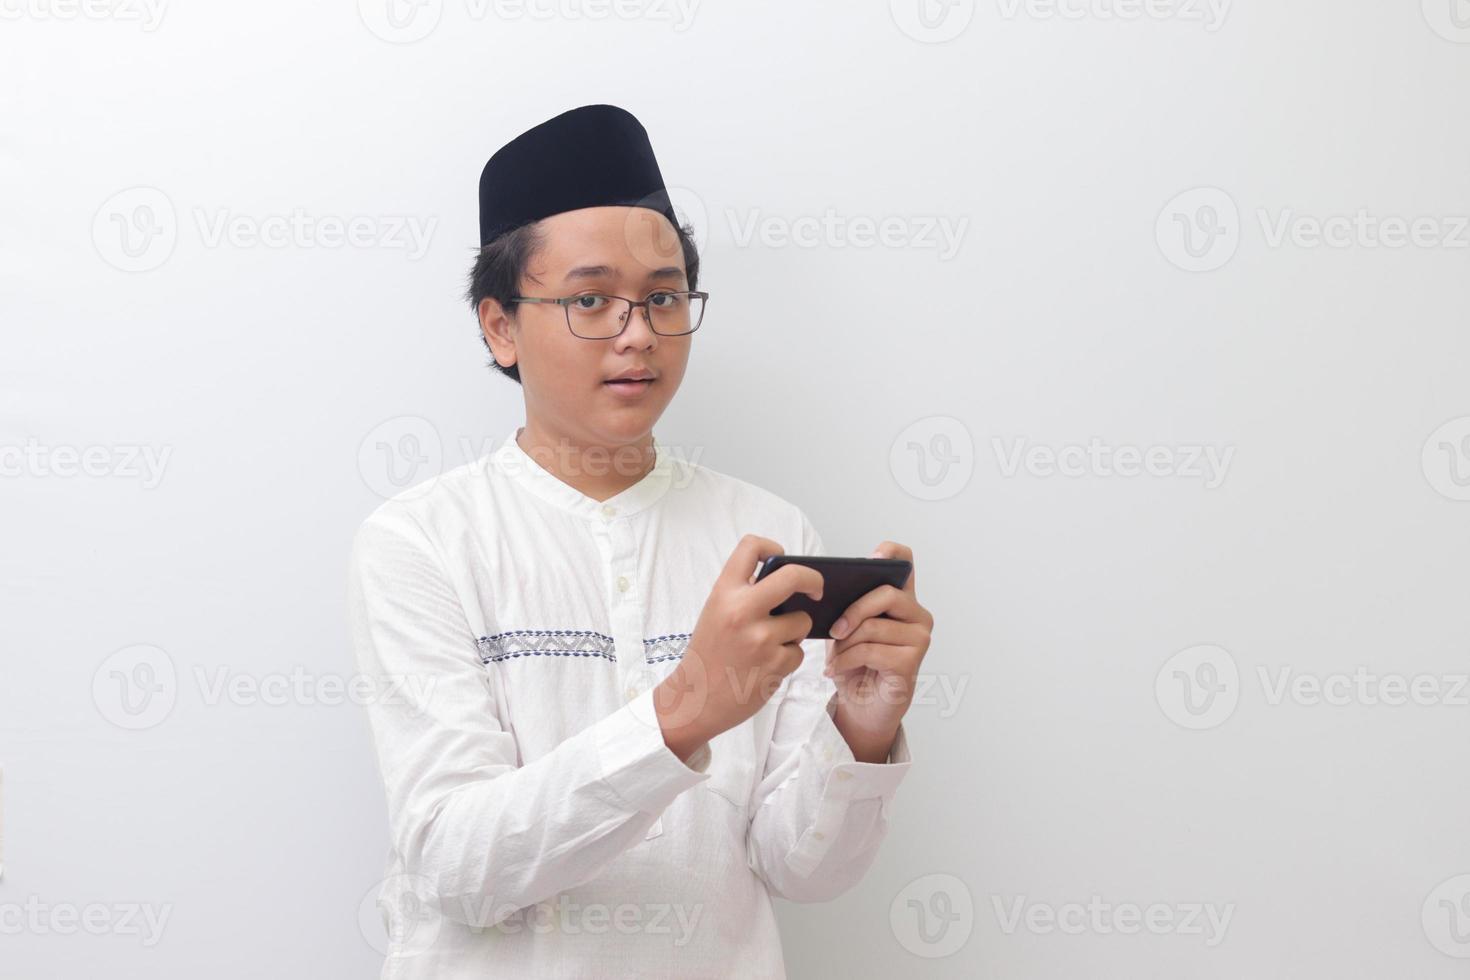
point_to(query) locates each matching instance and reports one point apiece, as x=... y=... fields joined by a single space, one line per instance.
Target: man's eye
x=664 y=300
x=591 y=301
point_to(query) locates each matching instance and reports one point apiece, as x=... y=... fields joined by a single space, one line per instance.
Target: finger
x=792 y=627
x=794 y=656
x=878 y=629
x=885 y=600
x=877 y=656
x=785 y=582
x=748 y=553
x=892 y=549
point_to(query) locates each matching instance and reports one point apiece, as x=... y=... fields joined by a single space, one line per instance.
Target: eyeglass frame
x=565 y=303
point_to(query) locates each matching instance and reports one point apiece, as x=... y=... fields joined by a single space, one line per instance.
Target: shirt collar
x=520 y=466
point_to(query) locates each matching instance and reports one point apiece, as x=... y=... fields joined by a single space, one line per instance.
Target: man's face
x=617 y=251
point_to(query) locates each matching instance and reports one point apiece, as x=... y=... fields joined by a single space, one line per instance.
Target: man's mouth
x=632 y=379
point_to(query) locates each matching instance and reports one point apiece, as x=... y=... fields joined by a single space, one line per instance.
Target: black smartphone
x=844 y=581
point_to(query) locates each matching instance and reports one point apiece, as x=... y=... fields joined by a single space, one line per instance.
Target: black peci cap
x=592 y=156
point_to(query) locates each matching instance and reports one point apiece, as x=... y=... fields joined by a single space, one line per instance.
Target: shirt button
x=622 y=583
x=818 y=835
x=841 y=775
x=608 y=510
x=630 y=693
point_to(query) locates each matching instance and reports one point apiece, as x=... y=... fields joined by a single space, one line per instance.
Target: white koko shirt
x=540 y=826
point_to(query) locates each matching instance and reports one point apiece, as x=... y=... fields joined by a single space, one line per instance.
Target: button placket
x=625 y=612
x=626 y=616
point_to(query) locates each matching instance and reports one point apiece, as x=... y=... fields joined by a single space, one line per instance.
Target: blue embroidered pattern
x=573 y=643
x=671 y=646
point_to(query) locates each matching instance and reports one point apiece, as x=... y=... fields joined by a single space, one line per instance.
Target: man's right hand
x=739 y=653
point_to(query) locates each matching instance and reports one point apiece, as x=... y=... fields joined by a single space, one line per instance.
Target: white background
x=1070 y=761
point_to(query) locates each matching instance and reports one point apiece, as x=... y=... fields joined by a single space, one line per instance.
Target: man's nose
x=637 y=332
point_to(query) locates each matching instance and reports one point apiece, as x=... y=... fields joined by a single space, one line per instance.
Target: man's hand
x=880 y=641
x=739 y=653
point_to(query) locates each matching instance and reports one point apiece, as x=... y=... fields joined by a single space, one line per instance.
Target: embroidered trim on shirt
x=545 y=643
x=671 y=646
x=573 y=643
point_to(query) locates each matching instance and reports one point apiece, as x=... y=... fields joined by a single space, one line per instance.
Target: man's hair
x=500 y=266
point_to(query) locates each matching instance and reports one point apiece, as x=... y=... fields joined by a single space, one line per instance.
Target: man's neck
x=597 y=471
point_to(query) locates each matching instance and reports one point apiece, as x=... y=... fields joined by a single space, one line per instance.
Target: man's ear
x=496 y=325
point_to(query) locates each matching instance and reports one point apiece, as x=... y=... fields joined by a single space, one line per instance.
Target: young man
x=621 y=755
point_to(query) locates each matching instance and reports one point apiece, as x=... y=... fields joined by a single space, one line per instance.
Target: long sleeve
x=488 y=836
x=819 y=815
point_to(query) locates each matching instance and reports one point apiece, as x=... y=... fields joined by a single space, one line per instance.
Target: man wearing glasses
x=621 y=755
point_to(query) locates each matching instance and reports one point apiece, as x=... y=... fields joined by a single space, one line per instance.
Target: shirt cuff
x=847 y=782
x=633 y=758
x=854 y=780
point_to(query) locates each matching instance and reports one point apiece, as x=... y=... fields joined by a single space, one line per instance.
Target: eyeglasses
x=598 y=316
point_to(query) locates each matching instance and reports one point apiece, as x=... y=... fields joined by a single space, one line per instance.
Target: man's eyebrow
x=589 y=272
x=607 y=272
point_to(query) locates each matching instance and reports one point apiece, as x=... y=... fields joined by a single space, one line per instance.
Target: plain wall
x=942 y=252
